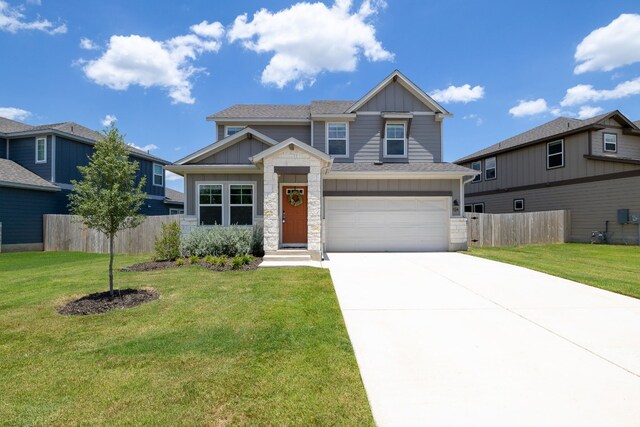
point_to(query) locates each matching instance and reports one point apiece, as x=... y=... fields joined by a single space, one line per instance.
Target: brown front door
x=294 y=218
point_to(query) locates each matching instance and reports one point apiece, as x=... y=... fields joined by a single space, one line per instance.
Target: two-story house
x=37 y=164
x=590 y=167
x=363 y=175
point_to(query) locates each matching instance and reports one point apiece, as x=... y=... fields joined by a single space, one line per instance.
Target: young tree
x=107 y=198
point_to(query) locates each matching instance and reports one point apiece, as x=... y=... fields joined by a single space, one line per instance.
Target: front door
x=294 y=215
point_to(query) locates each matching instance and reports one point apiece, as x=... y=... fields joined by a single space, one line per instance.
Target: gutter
x=27 y=186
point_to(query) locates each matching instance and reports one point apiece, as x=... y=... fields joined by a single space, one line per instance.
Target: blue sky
x=151 y=65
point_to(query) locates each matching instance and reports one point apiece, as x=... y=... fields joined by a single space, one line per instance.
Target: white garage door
x=386 y=224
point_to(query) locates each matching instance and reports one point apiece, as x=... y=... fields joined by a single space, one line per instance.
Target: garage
x=386 y=224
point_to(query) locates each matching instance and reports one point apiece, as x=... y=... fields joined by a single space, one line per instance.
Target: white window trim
x=604 y=142
x=253 y=202
x=561 y=141
x=477 y=178
x=226 y=129
x=476 y=204
x=198 y=185
x=176 y=211
x=406 y=148
x=495 y=168
x=153 y=175
x=514 y=204
x=45 y=150
x=326 y=133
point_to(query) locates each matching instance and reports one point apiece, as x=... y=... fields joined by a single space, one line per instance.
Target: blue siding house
x=37 y=164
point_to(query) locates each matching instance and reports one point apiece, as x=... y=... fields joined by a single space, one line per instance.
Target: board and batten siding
x=628 y=145
x=192 y=179
x=591 y=204
x=393 y=185
x=394 y=97
x=528 y=165
x=70 y=155
x=300 y=132
x=238 y=153
x=23 y=152
x=365 y=144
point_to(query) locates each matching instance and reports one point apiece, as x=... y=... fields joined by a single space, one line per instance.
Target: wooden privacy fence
x=66 y=233
x=516 y=229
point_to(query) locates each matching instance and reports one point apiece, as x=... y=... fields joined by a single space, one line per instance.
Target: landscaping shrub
x=168 y=242
x=218 y=240
x=193 y=259
x=239 y=261
x=180 y=261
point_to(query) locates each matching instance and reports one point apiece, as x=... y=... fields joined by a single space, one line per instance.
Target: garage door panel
x=387 y=224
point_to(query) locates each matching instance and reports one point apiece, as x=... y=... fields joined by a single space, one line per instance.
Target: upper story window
x=395 y=141
x=41 y=150
x=230 y=130
x=490 y=169
x=210 y=204
x=158 y=175
x=477 y=166
x=610 y=141
x=555 y=154
x=338 y=139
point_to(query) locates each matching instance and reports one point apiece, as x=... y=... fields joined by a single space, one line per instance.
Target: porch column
x=271 y=208
x=314 y=216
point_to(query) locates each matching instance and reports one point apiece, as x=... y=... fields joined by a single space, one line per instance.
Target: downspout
x=323 y=172
x=464 y=182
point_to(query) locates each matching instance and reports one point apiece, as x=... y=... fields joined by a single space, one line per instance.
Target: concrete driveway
x=446 y=339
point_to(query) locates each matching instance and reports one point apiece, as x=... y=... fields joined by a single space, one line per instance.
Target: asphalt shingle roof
x=554 y=127
x=263 y=111
x=173 y=196
x=9 y=126
x=12 y=174
x=330 y=107
x=400 y=167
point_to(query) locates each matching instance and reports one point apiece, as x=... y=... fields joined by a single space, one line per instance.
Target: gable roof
x=225 y=142
x=9 y=126
x=400 y=78
x=330 y=107
x=262 y=111
x=284 y=144
x=173 y=196
x=562 y=126
x=14 y=175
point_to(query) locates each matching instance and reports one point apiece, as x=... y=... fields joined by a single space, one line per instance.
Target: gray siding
x=391 y=185
x=230 y=178
x=23 y=152
x=528 y=166
x=365 y=144
x=628 y=145
x=591 y=204
x=237 y=153
x=394 y=98
x=277 y=132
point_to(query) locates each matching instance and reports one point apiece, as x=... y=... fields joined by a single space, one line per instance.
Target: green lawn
x=264 y=347
x=614 y=268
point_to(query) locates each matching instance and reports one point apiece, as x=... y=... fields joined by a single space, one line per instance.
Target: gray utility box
x=623 y=216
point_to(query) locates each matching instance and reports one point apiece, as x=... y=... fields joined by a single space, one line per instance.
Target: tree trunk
x=111 y=265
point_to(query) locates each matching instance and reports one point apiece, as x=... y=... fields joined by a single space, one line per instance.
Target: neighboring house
x=37 y=164
x=590 y=167
x=363 y=175
x=174 y=200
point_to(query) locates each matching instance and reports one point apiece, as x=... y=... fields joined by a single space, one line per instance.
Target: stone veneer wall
x=457 y=234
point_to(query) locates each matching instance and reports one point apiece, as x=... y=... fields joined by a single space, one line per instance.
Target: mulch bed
x=102 y=302
x=163 y=265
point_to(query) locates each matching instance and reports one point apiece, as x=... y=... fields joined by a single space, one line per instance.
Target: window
x=158 y=175
x=230 y=130
x=555 y=154
x=518 y=204
x=241 y=204
x=337 y=139
x=477 y=166
x=41 y=150
x=490 y=169
x=210 y=204
x=175 y=211
x=395 y=141
x=610 y=142
x=468 y=208
x=478 y=207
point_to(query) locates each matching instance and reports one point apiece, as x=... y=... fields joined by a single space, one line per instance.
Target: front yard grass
x=262 y=347
x=610 y=267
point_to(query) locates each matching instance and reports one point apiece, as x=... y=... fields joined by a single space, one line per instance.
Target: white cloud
x=170 y=176
x=310 y=38
x=137 y=60
x=147 y=148
x=13 y=20
x=13 y=113
x=475 y=117
x=529 y=108
x=88 y=44
x=610 y=47
x=581 y=94
x=215 y=30
x=586 y=112
x=464 y=93
x=109 y=119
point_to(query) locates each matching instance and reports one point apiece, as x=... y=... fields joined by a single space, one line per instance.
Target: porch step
x=280 y=257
